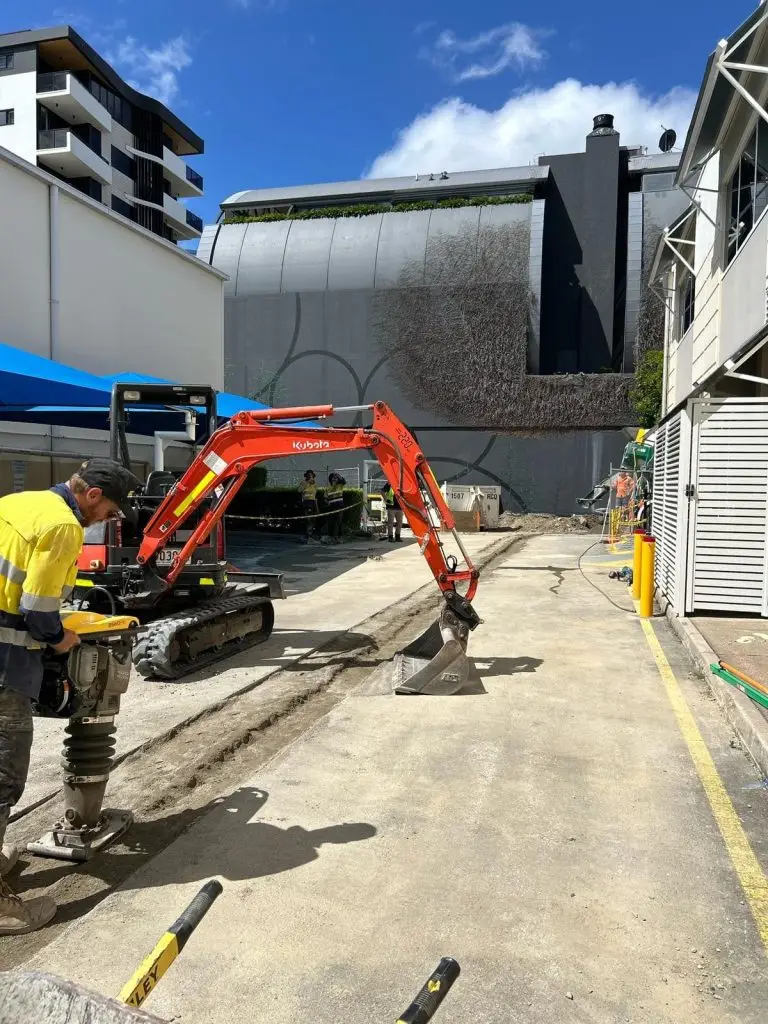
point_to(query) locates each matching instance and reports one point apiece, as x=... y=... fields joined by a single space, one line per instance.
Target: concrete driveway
x=330 y=590
x=551 y=833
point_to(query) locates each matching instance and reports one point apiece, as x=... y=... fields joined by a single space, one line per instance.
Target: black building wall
x=585 y=252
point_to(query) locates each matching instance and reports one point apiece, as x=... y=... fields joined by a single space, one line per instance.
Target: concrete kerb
x=743 y=717
x=481 y=561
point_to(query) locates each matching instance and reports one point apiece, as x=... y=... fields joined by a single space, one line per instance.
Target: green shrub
x=367 y=209
x=646 y=393
x=279 y=507
x=256 y=479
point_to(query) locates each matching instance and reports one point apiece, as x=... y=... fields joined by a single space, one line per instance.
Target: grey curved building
x=497 y=311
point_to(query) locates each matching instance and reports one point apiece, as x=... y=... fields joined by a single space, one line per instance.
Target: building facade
x=500 y=312
x=85 y=287
x=711 y=271
x=65 y=109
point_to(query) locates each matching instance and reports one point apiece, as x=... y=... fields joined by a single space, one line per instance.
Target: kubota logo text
x=310 y=446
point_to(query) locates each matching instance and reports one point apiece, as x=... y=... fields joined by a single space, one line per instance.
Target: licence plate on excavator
x=167 y=555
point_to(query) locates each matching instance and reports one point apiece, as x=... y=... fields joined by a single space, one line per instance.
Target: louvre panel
x=731 y=507
x=666 y=498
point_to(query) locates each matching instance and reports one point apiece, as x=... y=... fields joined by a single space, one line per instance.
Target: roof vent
x=603 y=125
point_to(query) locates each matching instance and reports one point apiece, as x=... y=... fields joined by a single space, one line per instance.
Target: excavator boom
x=252 y=437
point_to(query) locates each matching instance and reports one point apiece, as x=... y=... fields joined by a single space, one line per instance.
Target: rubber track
x=151 y=653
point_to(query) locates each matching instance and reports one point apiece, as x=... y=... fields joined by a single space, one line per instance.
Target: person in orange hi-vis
x=624 y=485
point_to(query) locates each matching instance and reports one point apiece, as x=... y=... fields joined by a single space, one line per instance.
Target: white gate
x=671 y=459
x=728 y=531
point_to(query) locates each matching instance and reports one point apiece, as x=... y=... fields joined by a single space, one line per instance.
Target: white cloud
x=152 y=70
x=458 y=136
x=488 y=53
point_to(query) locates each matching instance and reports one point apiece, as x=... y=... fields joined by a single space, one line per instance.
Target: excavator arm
x=255 y=436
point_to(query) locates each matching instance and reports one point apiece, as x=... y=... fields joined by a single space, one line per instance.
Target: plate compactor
x=85 y=685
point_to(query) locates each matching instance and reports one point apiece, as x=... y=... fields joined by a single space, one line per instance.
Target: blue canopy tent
x=37 y=390
x=27 y=380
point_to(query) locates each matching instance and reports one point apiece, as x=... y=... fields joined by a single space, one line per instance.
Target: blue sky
x=294 y=91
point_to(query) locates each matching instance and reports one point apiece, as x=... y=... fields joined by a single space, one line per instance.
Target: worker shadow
x=226 y=841
x=487 y=668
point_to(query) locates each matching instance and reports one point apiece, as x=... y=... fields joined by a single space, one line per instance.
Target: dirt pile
x=542 y=522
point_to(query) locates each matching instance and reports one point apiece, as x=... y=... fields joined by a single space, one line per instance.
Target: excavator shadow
x=487 y=668
x=305 y=567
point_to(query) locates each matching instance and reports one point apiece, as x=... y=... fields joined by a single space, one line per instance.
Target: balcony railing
x=53 y=138
x=52 y=81
x=194 y=221
x=194 y=178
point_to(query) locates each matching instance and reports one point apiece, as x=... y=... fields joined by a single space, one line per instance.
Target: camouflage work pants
x=15 y=747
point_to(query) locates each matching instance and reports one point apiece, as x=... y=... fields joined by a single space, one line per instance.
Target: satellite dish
x=667 y=140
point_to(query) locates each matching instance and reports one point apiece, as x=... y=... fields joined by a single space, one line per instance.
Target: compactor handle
x=436 y=988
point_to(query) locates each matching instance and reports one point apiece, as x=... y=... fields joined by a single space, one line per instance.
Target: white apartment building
x=66 y=110
x=87 y=288
x=711 y=271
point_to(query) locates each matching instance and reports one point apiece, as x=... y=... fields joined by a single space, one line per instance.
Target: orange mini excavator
x=181 y=519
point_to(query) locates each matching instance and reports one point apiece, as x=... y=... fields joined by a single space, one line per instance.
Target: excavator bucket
x=436 y=662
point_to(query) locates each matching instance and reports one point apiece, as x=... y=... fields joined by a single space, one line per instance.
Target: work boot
x=18 y=916
x=8 y=857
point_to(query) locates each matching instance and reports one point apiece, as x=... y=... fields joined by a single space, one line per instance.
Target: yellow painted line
x=611 y=563
x=617 y=549
x=745 y=863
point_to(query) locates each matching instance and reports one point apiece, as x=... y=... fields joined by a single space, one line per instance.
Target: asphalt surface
x=550 y=831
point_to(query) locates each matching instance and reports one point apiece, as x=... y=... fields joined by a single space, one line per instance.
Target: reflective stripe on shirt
x=35 y=603
x=18 y=638
x=11 y=571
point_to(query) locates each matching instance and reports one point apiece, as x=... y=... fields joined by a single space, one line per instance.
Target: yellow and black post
x=436 y=988
x=135 y=991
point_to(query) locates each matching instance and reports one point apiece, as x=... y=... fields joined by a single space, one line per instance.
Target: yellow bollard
x=637 y=559
x=647 y=583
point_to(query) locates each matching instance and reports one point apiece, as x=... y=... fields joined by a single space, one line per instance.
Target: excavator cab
x=185 y=415
x=211 y=609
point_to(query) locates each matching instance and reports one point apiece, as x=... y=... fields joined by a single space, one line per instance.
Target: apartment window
x=687 y=302
x=6 y=61
x=88 y=186
x=6 y=117
x=120 y=206
x=123 y=163
x=748 y=192
x=119 y=108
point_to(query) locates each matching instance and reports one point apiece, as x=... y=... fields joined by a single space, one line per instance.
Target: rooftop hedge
x=367 y=209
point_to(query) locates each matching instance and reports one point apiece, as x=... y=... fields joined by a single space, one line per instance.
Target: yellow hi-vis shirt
x=40 y=540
